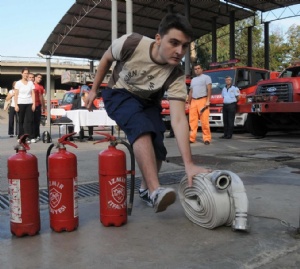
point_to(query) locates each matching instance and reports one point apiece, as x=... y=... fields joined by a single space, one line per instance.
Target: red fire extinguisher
x=62 y=186
x=23 y=190
x=112 y=183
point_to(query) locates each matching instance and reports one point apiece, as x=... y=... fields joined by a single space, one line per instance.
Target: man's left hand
x=89 y=100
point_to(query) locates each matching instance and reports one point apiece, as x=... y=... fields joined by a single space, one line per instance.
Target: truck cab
x=166 y=105
x=243 y=77
x=69 y=96
x=85 y=82
x=275 y=105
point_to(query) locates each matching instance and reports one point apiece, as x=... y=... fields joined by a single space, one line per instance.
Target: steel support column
x=214 y=40
x=267 y=45
x=114 y=20
x=232 y=35
x=129 y=21
x=188 y=52
x=48 y=89
x=91 y=66
x=250 y=40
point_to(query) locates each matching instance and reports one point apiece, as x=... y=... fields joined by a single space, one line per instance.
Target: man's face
x=228 y=81
x=38 y=79
x=31 y=77
x=172 y=46
x=198 y=70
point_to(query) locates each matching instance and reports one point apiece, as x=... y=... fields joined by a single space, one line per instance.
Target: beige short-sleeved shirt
x=138 y=73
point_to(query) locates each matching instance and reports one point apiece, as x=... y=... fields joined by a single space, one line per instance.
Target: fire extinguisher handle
x=64 y=140
x=22 y=142
x=107 y=139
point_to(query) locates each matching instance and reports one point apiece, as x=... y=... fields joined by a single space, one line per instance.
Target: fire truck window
x=296 y=73
x=258 y=76
x=243 y=78
x=287 y=74
x=68 y=98
x=242 y=83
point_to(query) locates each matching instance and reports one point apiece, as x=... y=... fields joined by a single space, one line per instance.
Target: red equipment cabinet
x=62 y=187
x=23 y=191
x=112 y=183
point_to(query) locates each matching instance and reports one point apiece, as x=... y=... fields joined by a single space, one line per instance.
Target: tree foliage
x=283 y=48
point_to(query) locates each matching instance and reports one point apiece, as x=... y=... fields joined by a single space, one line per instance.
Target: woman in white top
x=25 y=105
x=12 y=114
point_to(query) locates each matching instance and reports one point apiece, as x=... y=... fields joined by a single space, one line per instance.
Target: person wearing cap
x=231 y=95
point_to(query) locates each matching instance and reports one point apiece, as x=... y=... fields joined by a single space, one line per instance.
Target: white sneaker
x=38 y=138
x=162 y=198
x=33 y=140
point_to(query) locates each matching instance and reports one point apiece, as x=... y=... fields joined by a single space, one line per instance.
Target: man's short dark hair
x=177 y=21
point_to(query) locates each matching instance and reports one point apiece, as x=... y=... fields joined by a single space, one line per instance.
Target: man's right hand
x=89 y=101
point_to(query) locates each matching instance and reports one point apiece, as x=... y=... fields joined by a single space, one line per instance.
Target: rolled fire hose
x=215 y=199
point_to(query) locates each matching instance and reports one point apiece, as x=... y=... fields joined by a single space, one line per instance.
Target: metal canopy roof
x=85 y=30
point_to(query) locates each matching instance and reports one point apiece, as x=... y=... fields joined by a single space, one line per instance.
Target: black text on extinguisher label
x=118 y=193
x=14 y=193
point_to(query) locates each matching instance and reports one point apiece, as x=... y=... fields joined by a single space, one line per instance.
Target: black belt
x=199 y=97
x=229 y=103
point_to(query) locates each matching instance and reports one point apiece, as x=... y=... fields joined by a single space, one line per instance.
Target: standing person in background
x=145 y=68
x=31 y=77
x=25 y=105
x=12 y=114
x=39 y=105
x=199 y=100
x=80 y=103
x=231 y=95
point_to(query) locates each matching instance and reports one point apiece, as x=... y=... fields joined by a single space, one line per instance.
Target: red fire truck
x=85 y=81
x=276 y=103
x=243 y=77
x=166 y=106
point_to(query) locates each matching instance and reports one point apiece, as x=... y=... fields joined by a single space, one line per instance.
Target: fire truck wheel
x=256 y=125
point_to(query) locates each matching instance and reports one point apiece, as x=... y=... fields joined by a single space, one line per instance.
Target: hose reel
x=215 y=199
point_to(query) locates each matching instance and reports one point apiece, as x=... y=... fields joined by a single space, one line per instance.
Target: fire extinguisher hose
x=47 y=156
x=132 y=173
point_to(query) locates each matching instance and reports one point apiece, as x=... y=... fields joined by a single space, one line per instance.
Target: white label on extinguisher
x=118 y=193
x=75 y=186
x=55 y=197
x=14 y=192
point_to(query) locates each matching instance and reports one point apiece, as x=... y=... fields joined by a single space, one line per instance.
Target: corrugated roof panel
x=85 y=30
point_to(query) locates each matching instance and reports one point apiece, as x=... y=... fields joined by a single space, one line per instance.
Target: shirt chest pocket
x=231 y=94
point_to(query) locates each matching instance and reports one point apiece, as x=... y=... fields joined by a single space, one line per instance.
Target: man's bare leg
x=143 y=182
x=145 y=157
x=144 y=153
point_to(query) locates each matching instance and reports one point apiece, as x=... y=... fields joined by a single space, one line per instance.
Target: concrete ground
x=269 y=169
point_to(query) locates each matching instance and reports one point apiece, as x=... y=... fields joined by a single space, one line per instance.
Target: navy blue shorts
x=136 y=117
